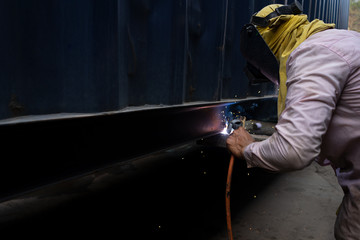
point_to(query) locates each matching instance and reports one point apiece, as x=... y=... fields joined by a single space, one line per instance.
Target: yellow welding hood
x=284 y=28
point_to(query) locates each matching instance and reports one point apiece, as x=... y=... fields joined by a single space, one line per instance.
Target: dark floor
x=184 y=198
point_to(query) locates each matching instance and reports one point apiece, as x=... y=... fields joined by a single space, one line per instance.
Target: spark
x=225 y=130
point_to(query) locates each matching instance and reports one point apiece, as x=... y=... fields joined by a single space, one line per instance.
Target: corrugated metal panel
x=94 y=56
x=330 y=11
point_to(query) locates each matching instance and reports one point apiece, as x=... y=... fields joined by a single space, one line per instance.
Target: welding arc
x=227 y=196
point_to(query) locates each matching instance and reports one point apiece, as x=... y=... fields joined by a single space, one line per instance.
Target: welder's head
x=256 y=39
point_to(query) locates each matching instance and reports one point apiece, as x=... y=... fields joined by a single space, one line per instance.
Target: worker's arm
x=316 y=76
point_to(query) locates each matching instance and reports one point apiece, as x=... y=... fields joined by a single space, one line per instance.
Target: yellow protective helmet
x=263 y=17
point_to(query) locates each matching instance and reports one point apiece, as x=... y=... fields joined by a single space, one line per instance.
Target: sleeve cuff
x=247 y=156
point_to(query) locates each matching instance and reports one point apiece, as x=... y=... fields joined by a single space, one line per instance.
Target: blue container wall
x=330 y=11
x=94 y=56
x=58 y=56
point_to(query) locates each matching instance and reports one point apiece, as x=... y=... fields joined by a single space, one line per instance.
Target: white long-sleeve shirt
x=321 y=118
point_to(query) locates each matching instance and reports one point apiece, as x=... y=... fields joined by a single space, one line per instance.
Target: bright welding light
x=225 y=130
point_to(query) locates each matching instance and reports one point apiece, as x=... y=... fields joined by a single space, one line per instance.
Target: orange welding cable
x=228 y=186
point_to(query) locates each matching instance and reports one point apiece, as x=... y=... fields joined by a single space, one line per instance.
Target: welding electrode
x=234 y=124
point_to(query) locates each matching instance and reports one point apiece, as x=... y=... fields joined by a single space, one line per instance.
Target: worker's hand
x=237 y=142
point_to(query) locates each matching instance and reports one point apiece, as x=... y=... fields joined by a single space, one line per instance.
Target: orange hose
x=227 y=196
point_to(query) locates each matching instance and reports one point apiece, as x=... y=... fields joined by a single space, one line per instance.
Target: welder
x=318 y=103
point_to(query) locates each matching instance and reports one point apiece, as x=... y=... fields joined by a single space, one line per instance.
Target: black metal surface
x=30 y=204
x=40 y=152
x=43 y=151
x=179 y=197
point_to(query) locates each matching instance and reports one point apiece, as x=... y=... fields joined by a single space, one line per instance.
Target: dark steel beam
x=40 y=153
